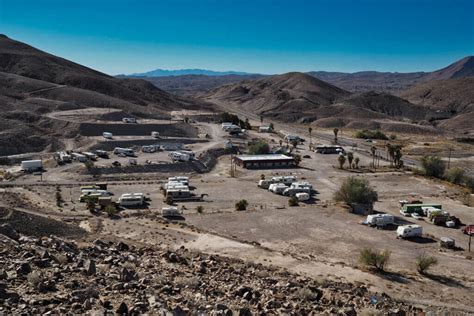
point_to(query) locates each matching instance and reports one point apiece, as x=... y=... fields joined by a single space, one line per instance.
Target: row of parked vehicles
x=288 y=186
x=434 y=213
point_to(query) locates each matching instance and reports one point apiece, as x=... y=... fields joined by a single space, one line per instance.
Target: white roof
x=263 y=157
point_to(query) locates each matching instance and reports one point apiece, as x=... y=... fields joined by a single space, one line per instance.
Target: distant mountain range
x=184 y=72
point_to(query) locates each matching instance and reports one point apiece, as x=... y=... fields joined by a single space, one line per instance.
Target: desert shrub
x=469 y=183
x=424 y=262
x=368 y=134
x=259 y=148
x=241 y=205
x=454 y=175
x=297 y=159
x=111 y=210
x=35 y=278
x=393 y=137
x=189 y=282
x=341 y=160
x=355 y=190
x=200 y=209
x=306 y=294
x=374 y=259
x=433 y=166
x=293 y=201
x=169 y=200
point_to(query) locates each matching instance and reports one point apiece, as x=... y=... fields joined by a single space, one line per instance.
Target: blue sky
x=266 y=36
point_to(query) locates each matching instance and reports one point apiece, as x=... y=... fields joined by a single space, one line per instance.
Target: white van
x=380 y=220
x=131 y=199
x=124 y=151
x=169 y=211
x=277 y=188
x=409 y=231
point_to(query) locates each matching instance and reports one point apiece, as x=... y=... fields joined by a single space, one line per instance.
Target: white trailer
x=277 y=188
x=79 y=157
x=191 y=154
x=65 y=157
x=409 y=231
x=124 y=151
x=31 y=165
x=181 y=179
x=169 y=211
x=264 y=184
x=177 y=156
x=380 y=220
x=287 y=180
x=107 y=135
x=302 y=196
x=225 y=125
x=131 y=199
x=90 y=155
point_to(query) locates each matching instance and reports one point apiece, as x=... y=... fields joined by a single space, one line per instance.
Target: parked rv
x=302 y=196
x=380 y=220
x=90 y=156
x=191 y=154
x=102 y=153
x=329 y=149
x=129 y=120
x=32 y=165
x=177 y=193
x=409 y=231
x=131 y=199
x=107 y=135
x=225 y=125
x=287 y=180
x=298 y=187
x=264 y=184
x=150 y=148
x=408 y=209
x=155 y=134
x=178 y=156
x=65 y=157
x=181 y=179
x=124 y=151
x=79 y=157
x=277 y=188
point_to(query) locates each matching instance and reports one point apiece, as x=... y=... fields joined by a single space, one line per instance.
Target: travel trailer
x=32 y=165
x=90 y=156
x=264 y=184
x=287 y=180
x=178 y=156
x=107 y=135
x=102 y=153
x=380 y=220
x=408 y=209
x=277 y=188
x=124 y=151
x=131 y=199
x=409 y=231
x=298 y=187
x=150 y=148
x=302 y=196
x=181 y=179
x=79 y=157
x=329 y=149
x=170 y=211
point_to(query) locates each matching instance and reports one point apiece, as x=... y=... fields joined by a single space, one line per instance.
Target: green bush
x=259 y=148
x=469 y=182
x=454 y=175
x=293 y=201
x=297 y=159
x=433 y=166
x=111 y=210
x=356 y=190
x=241 y=205
x=368 y=134
x=200 y=209
x=374 y=259
x=424 y=262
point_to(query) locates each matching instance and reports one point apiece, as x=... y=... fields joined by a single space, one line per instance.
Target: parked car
x=468 y=230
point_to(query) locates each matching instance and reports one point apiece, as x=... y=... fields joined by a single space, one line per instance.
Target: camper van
x=90 y=156
x=107 y=135
x=124 y=151
x=409 y=231
x=380 y=220
x=131 y=199
x=277 y=188
x=169 y=211
x=181 y=179
x=178 y=156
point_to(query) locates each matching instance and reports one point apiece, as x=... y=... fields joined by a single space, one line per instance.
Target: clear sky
x=266 y=36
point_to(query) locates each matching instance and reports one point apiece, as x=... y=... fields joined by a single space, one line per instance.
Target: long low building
x=264 y=161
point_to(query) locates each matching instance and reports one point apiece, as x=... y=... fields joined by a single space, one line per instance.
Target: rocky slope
x=54 y=275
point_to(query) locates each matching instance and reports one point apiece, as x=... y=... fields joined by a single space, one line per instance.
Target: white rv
x=232 y=129
x=181 y=179
x=107 y=135
x=169 y=211
x=302 y=196
x=287 y=180
x=264 y=184
x=90 y=155
x=298 y=187
x=409 y=231
x=124 y=151
x=277 y=188
x=380 y=220
x=225 y=125
x=79 y=157
x=31 y=165
x=155 y=134
x=191 y=154
x=131 y=199
x=178 y=156
x=65 y=157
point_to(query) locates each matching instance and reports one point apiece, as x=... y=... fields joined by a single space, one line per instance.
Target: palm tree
x=356 y=161
x=373 y=150
x=350 y=158
x=391 y=153
x=336 y=130
x=342 y=160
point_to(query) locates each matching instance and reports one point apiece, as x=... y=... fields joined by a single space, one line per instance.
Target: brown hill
x=33 y=83
x=394 y=82
x=286 y=97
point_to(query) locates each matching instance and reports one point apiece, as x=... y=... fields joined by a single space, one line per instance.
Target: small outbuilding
x=264 y=161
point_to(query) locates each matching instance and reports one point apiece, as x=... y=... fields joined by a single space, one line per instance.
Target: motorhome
x=107 y=135
x=131 y=199
x=408 y=209
x=31 y=165
x=181 y=179
x=329 y=149
x=102 y=153
x=129 y=120
x=277 y=188
x=409 y=231
x=79 y=157
x=170 y=211
x=380 y=220
x=191 y=154
x=155 y=134
x=287 y=180
x=90 y=156
x=178 y=193
x=124 y=151
x=178 y=156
